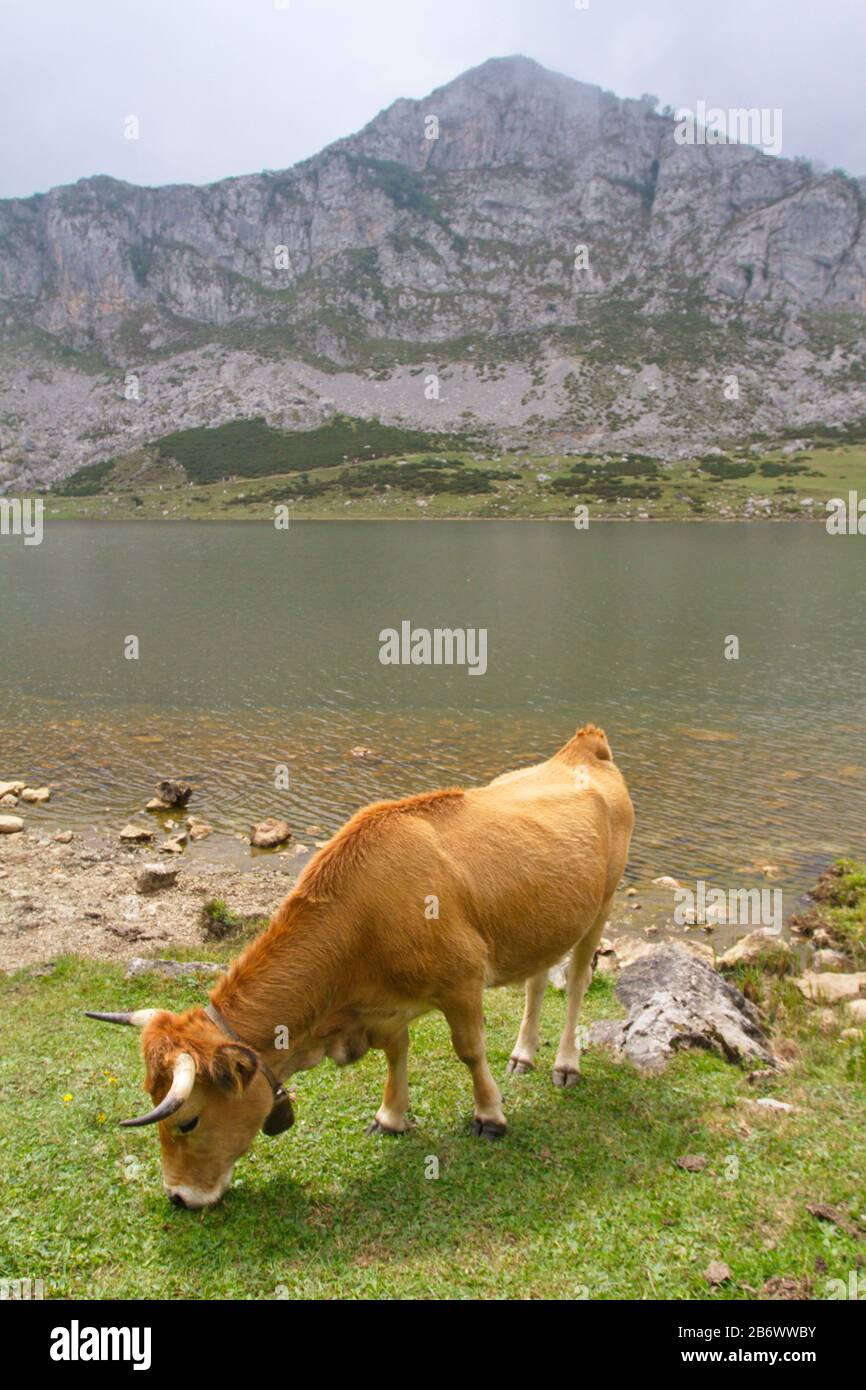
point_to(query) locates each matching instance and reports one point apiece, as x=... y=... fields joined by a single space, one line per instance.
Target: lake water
x=260 y=647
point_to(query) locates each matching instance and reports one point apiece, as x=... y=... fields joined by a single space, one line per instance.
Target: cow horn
x=138 y=1018
x=182 y=1083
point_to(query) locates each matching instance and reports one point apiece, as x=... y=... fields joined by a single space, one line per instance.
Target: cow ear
x=234 y=1066
x=282 y=1116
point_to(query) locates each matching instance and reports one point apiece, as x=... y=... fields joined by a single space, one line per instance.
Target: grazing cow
x=414 y=905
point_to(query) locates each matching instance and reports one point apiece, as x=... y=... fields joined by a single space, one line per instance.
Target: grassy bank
x=583 y=1198
x=355 y=469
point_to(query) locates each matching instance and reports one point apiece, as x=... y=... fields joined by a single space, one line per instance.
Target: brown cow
x=414 y=905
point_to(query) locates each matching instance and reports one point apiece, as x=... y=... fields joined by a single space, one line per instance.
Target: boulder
x=269 y=833
x=10 y=825
x=154 y=877
x=36 y=795
x=830 y=988
x=764 y=945
x=857 y=1010
x=12 y=788
x=676 y=1001
x=630 y=948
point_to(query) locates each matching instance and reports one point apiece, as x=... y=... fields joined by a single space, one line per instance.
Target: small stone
x=716 y=1272
x=156 y=803
x=174 y=845
x=64 y=837
x=10 y=825
x=692 y=1163
x=366 y=754
x=8 y=800
x=198 y=829
x=666 y=882
x=36 y=795
x=154 y=877
x=631 y=892
x=135 y=834
x=12 y=788
x=269 y=833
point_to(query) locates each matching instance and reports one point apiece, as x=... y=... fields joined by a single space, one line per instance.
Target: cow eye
x=188 y=1125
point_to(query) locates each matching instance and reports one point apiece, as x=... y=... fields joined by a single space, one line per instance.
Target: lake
x=260 y=648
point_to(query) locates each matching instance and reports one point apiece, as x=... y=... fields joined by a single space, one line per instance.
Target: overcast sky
x=234 y=86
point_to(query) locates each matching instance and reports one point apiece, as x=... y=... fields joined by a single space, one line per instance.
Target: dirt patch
x=81 y=897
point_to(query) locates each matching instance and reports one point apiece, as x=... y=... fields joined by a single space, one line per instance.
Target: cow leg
x=466 y=1021
x=391 y=1115
x=523 y=1054
x=566 y=1068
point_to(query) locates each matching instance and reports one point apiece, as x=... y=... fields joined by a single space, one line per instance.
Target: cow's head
x=210 y=1096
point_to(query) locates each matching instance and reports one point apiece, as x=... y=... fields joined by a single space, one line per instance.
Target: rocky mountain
x=518 y=253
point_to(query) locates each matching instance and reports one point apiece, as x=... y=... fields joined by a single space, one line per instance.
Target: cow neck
x=284 y=980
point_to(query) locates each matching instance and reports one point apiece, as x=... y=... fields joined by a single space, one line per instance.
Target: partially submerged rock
x=198 y=829
x=676 y=1001
x=36 y=795
x=12 y=788
x=174 y=793
x=269 y=833
x=10 y=825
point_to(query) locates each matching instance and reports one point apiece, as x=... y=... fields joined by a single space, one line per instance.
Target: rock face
x=676 y=1001
x=390 y=238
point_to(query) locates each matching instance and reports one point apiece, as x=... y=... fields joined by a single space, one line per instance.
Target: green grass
x=582 y=1199
x=441 y=477
x=840 y=908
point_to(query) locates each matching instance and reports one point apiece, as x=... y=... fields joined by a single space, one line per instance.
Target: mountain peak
x=506 y=110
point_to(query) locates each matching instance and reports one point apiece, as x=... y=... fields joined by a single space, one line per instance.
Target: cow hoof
x=376 y=1128
x=517 y=1067
x=488 y=1129
x=565 y=1077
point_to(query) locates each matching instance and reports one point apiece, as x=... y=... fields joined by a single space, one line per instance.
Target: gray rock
x=154 y=877
x=675 y=1001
